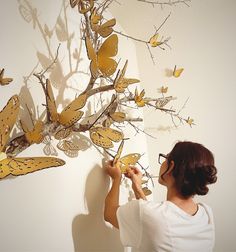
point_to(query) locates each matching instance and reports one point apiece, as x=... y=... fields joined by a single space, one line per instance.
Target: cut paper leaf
x=22 y=166
x=83 y=5
x=36 y=134
x=177 y=72
x=138 y=98
x=4 y=80
x=154 y=40
x=101 y=61
x=120 y=82
x=105 y=29
x=104 y=137
x=70 y=114
x=8 y=117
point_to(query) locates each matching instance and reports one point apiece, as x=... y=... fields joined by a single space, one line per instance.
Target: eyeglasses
x=162 y=158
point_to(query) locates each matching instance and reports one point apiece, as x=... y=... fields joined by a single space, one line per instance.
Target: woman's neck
x=187 y=204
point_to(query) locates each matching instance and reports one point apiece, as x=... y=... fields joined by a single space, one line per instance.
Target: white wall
x=57 y=209
x=203 y=42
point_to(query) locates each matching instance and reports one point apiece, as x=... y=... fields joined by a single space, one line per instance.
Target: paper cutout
x=138 y=98
x=161 y=102
x=118 y=116
x=83 y=5
x=154 y=40
x=62 y=133
x=70 y=114
x=70 y=149
x=163 y=90
x=18 y=166
x=104 y=137
x=126 y=161
x=49 y=149
x=101 y=61
x=177 y=72
x=4 y=80
x=36 y=134
x=120 y=82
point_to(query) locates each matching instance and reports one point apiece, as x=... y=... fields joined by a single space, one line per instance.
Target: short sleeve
x=129 y=221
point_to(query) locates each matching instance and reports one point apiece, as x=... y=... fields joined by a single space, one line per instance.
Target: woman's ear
x=171 y=167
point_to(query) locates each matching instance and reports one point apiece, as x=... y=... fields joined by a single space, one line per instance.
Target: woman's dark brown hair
x=194 y=168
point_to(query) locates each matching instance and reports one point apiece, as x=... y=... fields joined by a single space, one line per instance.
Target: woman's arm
x=112 y=198
x=136 y=177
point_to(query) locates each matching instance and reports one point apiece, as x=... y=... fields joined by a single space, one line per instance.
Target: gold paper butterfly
x=153 y=41
x=163 y=90
x=104 y=137
x=95 y=18
x=138 y=98
x=126 y=161
x=101 y=61
x=114 y=117
x=177 y=72
x=62 y=133
x=4 y=80
x=120 y=82
x=70 y=114
x=18 y=166
x=83 y=5
x=104 y=29
x=189 y=121
x=36 y=134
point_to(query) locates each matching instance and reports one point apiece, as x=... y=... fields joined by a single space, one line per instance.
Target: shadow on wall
x=90 y=232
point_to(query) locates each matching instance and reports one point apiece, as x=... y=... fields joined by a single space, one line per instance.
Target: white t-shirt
x=149 y=227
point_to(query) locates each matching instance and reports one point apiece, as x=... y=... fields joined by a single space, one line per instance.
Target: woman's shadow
x=90 y=232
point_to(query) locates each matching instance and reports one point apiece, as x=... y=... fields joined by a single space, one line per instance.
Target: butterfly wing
x=118 y=154
x=51 y=104
x=4 y=81
x=118 y=116
x=108 y=49
x=22 y=166
x=92 y=56
x=106 y=29
x=104 y=137
x=8 y=117
x=128 y=160
x=71 y=114
x=177 y=72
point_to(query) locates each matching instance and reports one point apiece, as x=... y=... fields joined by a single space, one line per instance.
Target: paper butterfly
x=126 y=161
x=70 y=114
x=70 y=149
x=105 y=29
x=83 y=5
x=120 y=82
x=177 y=72
x=18 y=166
x=101 y=61
x=161 y=102
x=49 y=149
x=138 y=98
x=114 y=117
x=6 y=80
x=163 y=90
x=36 y=134
x=104 y=137
x=154 y=41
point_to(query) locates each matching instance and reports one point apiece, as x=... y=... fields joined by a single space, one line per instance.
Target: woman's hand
x=135 y=175
x=113 y=170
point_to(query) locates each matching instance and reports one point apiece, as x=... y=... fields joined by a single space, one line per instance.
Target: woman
x=177 y=224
